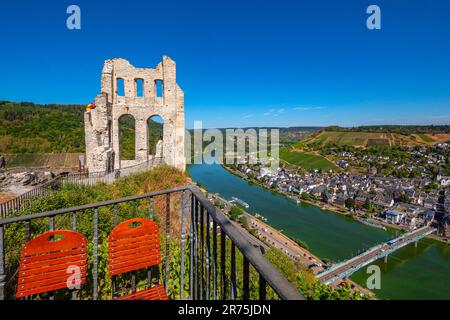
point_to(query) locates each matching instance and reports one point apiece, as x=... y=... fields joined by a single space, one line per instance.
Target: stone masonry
x=102 y=123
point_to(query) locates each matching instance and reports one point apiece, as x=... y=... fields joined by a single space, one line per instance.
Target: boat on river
x=372 y=224
x=296 y=200
x=240 y=202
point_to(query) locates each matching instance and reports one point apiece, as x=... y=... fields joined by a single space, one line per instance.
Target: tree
x=404 y=198
x=306 y=196
x=350 y=203
x=235 y=212
x=367 y=204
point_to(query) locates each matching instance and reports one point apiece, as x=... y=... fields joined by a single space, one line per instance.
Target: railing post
x=151 y=209
x=262 y=288
x=233 y=272
x=167 y=240
x=222 y=264
x=208 y=253
x=134 y=204
x=95 y=270
x=201 y=249
x=246 y=280
x=115 y=214
x=52 y=223
x=74 y=221
x=27 y=230
x=214 y=260
x=191 y=251
x=195 y=267
x=184 y=202
x=2 y=264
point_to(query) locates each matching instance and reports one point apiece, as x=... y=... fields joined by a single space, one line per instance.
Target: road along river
x=410 y=273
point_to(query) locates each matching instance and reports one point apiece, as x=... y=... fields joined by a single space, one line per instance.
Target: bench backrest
x=134 y=244
x=52 y=261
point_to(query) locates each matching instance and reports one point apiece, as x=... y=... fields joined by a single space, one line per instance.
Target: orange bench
x=133 y=245
x=52 y=261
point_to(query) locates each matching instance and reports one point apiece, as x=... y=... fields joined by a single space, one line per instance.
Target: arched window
x=127 y=137
x=155 y=126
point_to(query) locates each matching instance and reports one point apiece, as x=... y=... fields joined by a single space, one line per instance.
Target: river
x=410 y=273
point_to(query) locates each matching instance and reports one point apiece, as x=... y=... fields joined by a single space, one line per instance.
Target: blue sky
x=242 y=63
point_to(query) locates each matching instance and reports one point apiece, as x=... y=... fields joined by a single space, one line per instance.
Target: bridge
x=348 y=267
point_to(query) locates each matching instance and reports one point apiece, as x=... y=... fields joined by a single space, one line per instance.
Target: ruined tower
x=102 y=122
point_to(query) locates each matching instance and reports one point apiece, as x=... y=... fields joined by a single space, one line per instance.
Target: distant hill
x=400 y=129
x=287 y=135
x=363 y=138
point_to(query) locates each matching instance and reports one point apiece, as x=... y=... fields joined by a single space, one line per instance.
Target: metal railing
x=204 y=254
x=11 y=206
x=84 y=178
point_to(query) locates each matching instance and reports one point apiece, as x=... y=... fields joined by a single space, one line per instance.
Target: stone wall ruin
x=102 y=123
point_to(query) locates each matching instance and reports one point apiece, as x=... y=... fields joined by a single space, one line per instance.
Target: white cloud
x=274 y=112
x=307 y=108
x=441 y=117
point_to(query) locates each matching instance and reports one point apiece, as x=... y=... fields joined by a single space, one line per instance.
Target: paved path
x=278 y=240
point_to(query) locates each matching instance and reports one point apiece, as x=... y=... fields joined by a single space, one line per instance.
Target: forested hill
x=26 y=127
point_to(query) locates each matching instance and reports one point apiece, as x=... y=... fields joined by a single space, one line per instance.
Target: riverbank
x=334 y=209
x=322 y=205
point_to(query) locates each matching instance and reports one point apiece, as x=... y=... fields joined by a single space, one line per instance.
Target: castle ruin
x=102 y=123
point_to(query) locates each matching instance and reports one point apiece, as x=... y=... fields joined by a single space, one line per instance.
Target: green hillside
x=31 y=128
x=368 y=139
x=307 y=160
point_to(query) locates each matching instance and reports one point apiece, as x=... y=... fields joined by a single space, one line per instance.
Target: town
x=405 y=201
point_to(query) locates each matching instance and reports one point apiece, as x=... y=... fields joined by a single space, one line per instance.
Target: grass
x=425 y=137
x=352 y=138
x=365 y=139
x=307 y=160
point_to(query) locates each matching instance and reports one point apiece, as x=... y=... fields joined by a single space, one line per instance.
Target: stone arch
x=127 y=137
x=102 y=123
x=155 y=136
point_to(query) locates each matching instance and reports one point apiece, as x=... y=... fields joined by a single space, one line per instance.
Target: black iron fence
x=85 y=178
x=205 y=255
x=9 y=207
